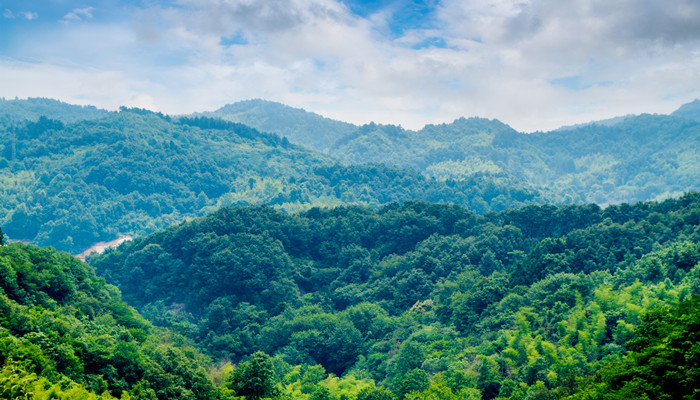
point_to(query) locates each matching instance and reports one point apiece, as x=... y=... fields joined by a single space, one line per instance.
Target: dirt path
x=100 y=247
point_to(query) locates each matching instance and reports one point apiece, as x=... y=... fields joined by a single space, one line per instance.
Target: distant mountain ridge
x=35 y=107
x=299 y=126
x=70 y=185
x=689 y=110
x=622 y=159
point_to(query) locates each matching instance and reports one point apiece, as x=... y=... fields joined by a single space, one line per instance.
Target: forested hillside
x=74 y=175
x=70 y=185
x=638 y=158
x=689 y=110
x=33 y=108
x=298 y=126
x=65 y=334
x=624 y=159
x=426 y=301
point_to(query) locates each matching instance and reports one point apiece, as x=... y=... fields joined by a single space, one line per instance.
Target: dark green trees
x=65 y=331
x=254 y=378
x=664 y=362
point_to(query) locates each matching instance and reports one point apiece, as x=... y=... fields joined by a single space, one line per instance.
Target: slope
x=689 y=110
x=420 y=296
x=65 y=334
x=299 y=126
x=70 y=185
x=33 y=108
x=638 y=158
x=624 y=159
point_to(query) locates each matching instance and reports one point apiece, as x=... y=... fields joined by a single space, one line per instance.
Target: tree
x=254 y=378
x=413 y=380
x=322 y=393
x=2 y=238
x=375 y=393
x=664 y=362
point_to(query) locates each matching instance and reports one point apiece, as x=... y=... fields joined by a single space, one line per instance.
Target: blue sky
x=534 y=64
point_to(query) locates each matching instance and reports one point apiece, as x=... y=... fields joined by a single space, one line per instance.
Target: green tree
x=255 y=378
x=375 y=393
x=322 y=393
x=664 y=362
x=414 y=380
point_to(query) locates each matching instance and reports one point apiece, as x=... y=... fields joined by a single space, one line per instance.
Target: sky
x=533 y=64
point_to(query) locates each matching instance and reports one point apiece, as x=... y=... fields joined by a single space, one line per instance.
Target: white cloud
x=30 y=15
x=8 y=14
x=79 y=14
x=501 y=59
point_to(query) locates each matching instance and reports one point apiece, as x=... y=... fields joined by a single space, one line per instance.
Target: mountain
x=362 y=292
x=623 y=159
x=70 y=185
x=689 y=110
x=637 y=158
x=426 y=149
x=539 y=302
x=33 y=108
x=297 y=125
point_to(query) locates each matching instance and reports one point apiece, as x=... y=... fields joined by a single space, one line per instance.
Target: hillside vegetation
x=426 y=301
x=298 y=126
x=70 y=185
x=624 y=159
x=638 y=158
x=66 y=334
x=33 y=108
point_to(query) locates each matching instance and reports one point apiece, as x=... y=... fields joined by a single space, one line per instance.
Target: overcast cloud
x=534 y=64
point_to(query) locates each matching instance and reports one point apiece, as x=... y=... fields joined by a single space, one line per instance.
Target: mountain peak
x=689 y=110
x=297 y=125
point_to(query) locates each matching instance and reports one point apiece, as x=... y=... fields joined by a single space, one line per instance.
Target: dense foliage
x=622 y=159
x=299 y=126
x=637 y=158
x=411 y=300
x=425 y=300
x=689 y=110
x=664 y=362
x=66 y=334
x=33 y=108
x=70 y=185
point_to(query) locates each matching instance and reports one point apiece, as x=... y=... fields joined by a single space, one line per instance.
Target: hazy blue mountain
x=298 y=126
x=419 y=149
x=622 y=159
x=689 y=110
x=33 y=108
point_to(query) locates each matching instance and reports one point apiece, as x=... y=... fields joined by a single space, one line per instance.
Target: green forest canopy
x=425 y=299
x=70 y=185
x=75 y=175
x=623 y=159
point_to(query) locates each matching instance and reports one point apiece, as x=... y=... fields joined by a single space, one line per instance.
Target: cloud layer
x=535 y=64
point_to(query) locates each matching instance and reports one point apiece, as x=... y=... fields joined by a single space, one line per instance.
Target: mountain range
x=71 y=184
x=265 y=269
x=76 y=175
x=624 y=159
